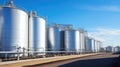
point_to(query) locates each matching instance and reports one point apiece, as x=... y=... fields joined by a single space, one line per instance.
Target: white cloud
x=106 y=31
x=106 y=35
x=102 y=8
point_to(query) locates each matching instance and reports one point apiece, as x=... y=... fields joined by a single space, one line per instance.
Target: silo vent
x=11 y=3
x=34 y=13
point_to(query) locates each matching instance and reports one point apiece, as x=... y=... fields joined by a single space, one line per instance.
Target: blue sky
x=101 y=18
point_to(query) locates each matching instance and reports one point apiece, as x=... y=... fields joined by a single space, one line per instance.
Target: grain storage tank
x=86 y=41
x=93 y=45
x=109 y=49
x=53 y=38
x=77 y=41
x=96 y=46
x=90 y=44
x=13 y=29
x=117 y=49
x=71 y=40
x=99 y=44
x=37 y=33
x=82 y=40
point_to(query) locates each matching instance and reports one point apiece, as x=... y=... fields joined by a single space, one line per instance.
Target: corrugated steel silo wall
x=14 y=29
x=53 y=38
x=90 y=45
x=37 y=34
x=77 y=40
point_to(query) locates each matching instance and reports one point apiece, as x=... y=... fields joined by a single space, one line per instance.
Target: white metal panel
x=14 y=31
x=37 y=33
x=77 y=40
x=53 y=38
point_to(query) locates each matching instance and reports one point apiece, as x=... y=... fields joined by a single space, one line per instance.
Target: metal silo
x=53 y=38
x=71 y=39
x=109 y=49
x=96 y=46
x=77 y=41
x=117 y=49
x=82 y=40
x=86 y=41
x=13 y=29
x=91 y=44
x=37 y=34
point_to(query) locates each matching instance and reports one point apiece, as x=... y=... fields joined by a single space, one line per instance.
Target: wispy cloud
x=106 y=8
x=107 y=35
x=102 y=8
x=107 y=31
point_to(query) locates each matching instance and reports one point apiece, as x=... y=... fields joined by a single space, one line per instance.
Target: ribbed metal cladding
x=77 y=41
x=82 y=36
x=13 y=29
x=53 y=38
x=91 y=45
x=96 y=46
x=37 y=33
x=70 y=40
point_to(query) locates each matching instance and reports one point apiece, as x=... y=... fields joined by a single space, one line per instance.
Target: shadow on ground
x=102 y=62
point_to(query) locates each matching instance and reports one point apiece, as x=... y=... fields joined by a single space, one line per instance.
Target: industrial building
x=53 y=38
x=37 y=33
x=112 y=49
x=91 y=44
x=94 y=45
x=70 y=39
x=13 y=29
x=26 y=34
x=117 y=49
x=109 y=49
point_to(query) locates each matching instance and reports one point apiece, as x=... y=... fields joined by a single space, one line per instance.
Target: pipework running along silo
x=37 y=34
x=13 y=29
